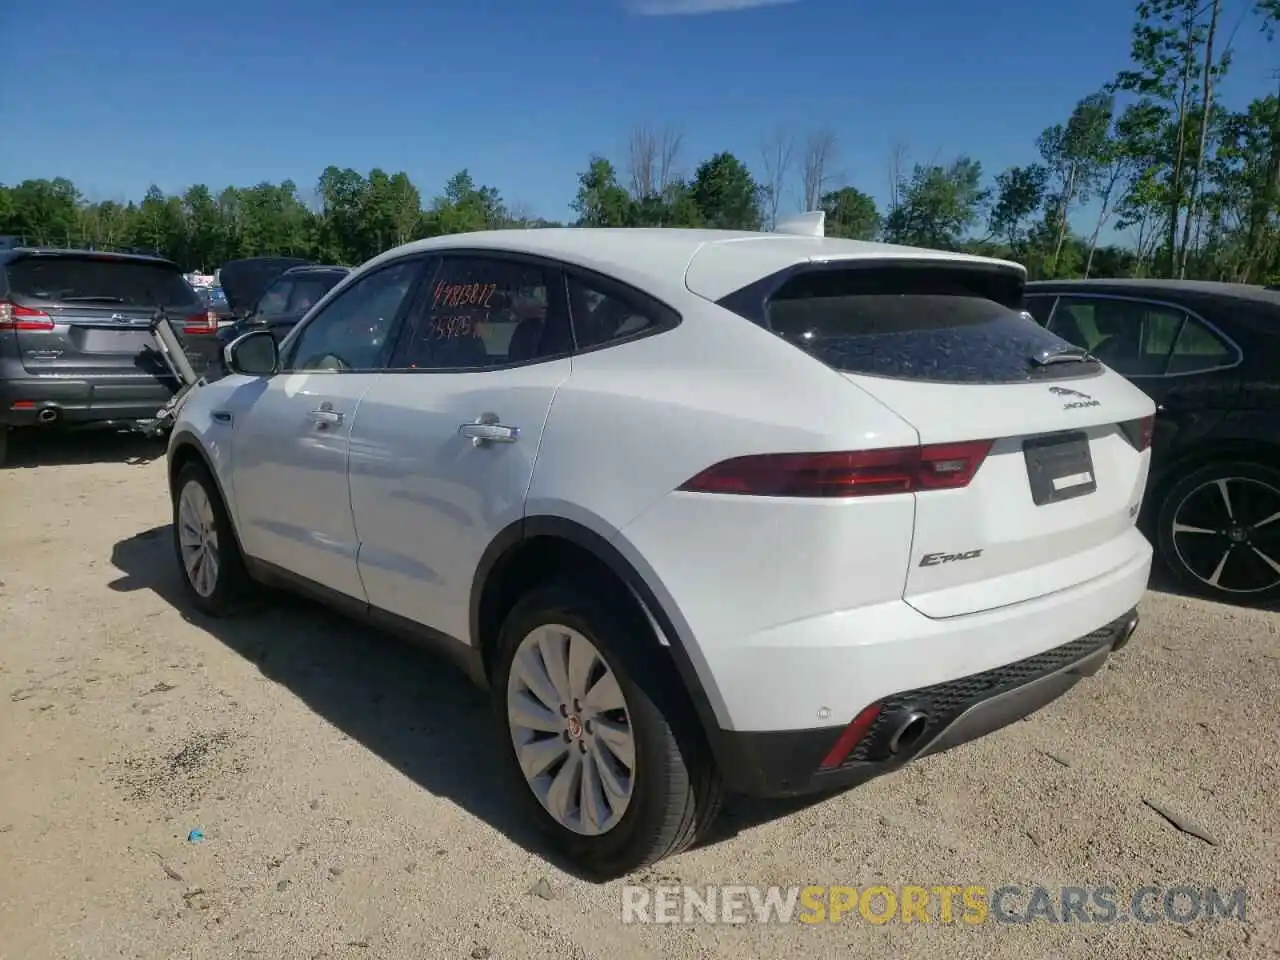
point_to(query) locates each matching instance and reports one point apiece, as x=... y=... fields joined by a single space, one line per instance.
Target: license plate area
x=1059 y=467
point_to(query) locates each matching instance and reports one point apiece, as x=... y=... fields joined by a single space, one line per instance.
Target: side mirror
x=253 y=354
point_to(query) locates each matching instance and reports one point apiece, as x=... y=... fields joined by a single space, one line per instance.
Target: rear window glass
x=87 y=280
x=938 y=324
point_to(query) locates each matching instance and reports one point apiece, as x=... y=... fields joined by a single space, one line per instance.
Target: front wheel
x=607 y=761
x=205 y=545
x=1218 y=532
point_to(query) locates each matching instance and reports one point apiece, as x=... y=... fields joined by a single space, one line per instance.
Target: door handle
x=486 y=429
x=327 y=416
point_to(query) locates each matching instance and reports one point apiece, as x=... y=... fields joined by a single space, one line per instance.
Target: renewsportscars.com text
x=945 y=904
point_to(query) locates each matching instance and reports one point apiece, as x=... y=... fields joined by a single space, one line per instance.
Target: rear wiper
x=92 y=299
x=1047 y=357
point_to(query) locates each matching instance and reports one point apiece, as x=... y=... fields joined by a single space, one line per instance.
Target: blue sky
x=118 y=96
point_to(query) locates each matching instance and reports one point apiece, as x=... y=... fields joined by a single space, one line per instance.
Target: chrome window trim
x=1212 y=327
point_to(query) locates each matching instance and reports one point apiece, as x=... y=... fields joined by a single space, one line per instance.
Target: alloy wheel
x=1226 y=533
x=571 y=730
x=198 y=538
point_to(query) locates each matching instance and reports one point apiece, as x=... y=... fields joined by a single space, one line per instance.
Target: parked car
x=281 y=305
x=704 y=511
x=1208 y=354
x=75 y=342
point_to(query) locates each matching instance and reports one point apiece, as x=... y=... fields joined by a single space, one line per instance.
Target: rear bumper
x=935 y=718
x=40 y=401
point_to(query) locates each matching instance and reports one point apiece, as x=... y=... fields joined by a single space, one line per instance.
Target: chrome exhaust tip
x=47 y=415
x=908 y=734
x=1126 y=633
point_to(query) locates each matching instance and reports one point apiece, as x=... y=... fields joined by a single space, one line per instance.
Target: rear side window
x=931 y=322
x=604 y=312
x=131 y=283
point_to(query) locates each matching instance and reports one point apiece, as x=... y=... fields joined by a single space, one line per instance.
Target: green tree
x=1019 y=194
x=726 y=195
x=1074 y=154
x=601 y=201
x=851 y=213
x=937 y=205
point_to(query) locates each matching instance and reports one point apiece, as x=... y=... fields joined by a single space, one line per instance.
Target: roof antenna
x=811 y=224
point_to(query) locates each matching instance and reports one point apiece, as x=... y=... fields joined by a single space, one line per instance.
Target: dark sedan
x=1208 y=354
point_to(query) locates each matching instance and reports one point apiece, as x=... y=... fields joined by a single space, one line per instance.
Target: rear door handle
x=486 y=429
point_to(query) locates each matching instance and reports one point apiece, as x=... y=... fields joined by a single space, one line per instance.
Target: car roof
x=15 y=253
x=1150 y=287
x=710 y=263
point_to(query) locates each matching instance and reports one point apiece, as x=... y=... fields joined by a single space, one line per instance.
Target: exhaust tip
x=1126 y=633
x=908 y=733
x=47 y=415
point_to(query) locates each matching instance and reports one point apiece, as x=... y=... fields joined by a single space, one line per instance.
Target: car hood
x=243 y=281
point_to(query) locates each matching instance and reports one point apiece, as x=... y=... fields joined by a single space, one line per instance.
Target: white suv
x=703 y=510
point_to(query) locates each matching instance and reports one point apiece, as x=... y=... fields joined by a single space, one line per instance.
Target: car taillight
x=1139 y=432
x=14 y=317
x=861 y=473
x=201 y=323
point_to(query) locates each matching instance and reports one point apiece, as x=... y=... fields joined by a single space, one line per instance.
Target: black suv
x=1208 y=354
x=76 y=346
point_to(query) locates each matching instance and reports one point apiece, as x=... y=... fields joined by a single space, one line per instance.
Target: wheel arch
x=185 y=448
x=1205 y=454
x=535 y=549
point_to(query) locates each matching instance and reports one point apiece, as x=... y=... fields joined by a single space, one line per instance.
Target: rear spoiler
x=811 y=224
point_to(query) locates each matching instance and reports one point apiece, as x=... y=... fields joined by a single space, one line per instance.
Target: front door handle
x=487 y=429
x=326 y=416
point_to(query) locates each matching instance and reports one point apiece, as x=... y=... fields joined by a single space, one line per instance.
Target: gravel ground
x=349 y=808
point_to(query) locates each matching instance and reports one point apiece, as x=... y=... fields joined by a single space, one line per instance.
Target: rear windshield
x=913 y=322
x=91 y=280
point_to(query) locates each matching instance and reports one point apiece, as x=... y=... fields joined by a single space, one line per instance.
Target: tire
x=1218 y=554
x=229 y=586
x=4 y=446
x=675 y=789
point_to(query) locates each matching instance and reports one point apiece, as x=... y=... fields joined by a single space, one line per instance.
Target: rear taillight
x=15 y=317
x=1139 y=432
x=200 y=323
x=862 y=473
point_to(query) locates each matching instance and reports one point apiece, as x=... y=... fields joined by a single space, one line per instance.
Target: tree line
x=1153 y=156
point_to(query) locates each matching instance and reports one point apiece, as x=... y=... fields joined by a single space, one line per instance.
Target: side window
x=1130 y=336
x=354 y=331
x=275 y=298
x=1040 y=308
x=604 y=311
x=1198 y=348
x=483 y=312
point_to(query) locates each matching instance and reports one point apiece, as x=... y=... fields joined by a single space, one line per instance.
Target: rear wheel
x=205 y=545
x=1218 y=532
x=607 y=761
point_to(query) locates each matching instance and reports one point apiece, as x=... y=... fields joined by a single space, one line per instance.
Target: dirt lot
x=343 y=783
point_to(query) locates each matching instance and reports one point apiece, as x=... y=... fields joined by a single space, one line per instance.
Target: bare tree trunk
x=669 y=143
x=897 y=161
x=1180 y=144
x=778 y=152
x=1104 y=213
x=819 y=152
x=1206 y=105
x=1068 y=193
x=643 y=161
